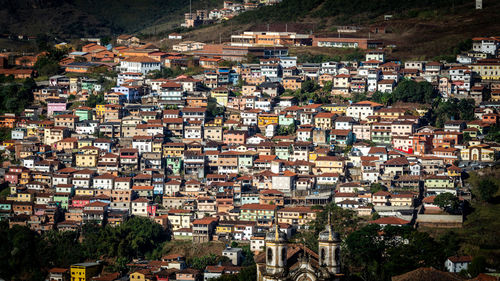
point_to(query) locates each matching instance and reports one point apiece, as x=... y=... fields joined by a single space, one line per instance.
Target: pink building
x=55 y=106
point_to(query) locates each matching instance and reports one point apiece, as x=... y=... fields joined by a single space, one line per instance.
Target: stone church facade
x=283 y=261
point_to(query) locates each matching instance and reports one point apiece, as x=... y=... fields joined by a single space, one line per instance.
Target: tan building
x=213 y=133
x=329 y=164
x=324 y=120
x=300 y=216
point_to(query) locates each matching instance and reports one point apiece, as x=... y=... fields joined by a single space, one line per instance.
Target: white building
x=457 y=263
x=485 y=45
x=139 y=64
x=361 y=110
x=140 y=207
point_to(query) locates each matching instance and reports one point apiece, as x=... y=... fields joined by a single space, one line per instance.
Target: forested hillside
x=77 y=18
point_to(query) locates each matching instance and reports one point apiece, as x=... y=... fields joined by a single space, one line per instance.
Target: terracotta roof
x=206 y=220
x=141 y=59
x=399 y=161
x=390 y=220
x=456 y=259
x=427 y=273
x=256 y=206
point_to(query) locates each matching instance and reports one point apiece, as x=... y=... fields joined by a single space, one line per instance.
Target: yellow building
x=86 y=160
x=217 y=122
x=487 y=69
x=25 y=177
x=390 y=113
x=24 y=197
x=224 y=228
x=173 y=149
x=84 y=271
x=84 y=143
x=315 y=154
x=481 y=152
x=141 y=275
x=46 y=178
x=221 y=95
x=100 y=109
x=329 y=164
x=454 y=171
x=267 y=119
x=495 y=95
x=157 y=146
x=339 y=109
x=84 y=192
x=301 y=216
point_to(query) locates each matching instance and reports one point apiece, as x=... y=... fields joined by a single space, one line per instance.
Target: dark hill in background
x=420 y=29
x=79 y=18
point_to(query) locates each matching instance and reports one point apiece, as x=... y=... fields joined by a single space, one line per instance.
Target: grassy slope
x=480 y=231
x=191 y=250
x=421 y=32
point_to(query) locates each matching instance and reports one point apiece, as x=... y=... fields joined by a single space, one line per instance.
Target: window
x=269 y=254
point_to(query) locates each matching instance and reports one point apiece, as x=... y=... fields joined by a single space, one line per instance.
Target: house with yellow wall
x=329 y=164
x=267 y=119
x=100 y=109
x=84 y=271
x=339 y=109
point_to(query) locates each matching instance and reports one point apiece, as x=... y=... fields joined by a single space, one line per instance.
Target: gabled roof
x=390 y=220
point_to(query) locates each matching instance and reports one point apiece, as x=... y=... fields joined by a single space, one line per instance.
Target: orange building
x=8 y=121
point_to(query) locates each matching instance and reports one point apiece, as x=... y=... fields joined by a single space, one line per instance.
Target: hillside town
x=240 y=142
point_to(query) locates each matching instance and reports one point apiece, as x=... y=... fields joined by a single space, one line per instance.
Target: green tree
x=343 y=221
x=373 y=254
x=487 y=189
x=357 y=97
x=327 y=88
x=447 y=201
x=493 y=134
x=376 y=187
x=248 y=273
x=382 y=97
x=48 y=64
x=202 y=262
x=309 y=86
x=93 y=100
x=105 y=40
x=411 y=91
x=14 y=97
x=213 y=109
x=452 y=109
x=478 y=265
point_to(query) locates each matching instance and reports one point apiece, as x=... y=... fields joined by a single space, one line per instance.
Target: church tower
x=329 y=249
x=275 y=253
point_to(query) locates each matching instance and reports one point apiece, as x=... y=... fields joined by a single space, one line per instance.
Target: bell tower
x=275 y=251
x=329 y=248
